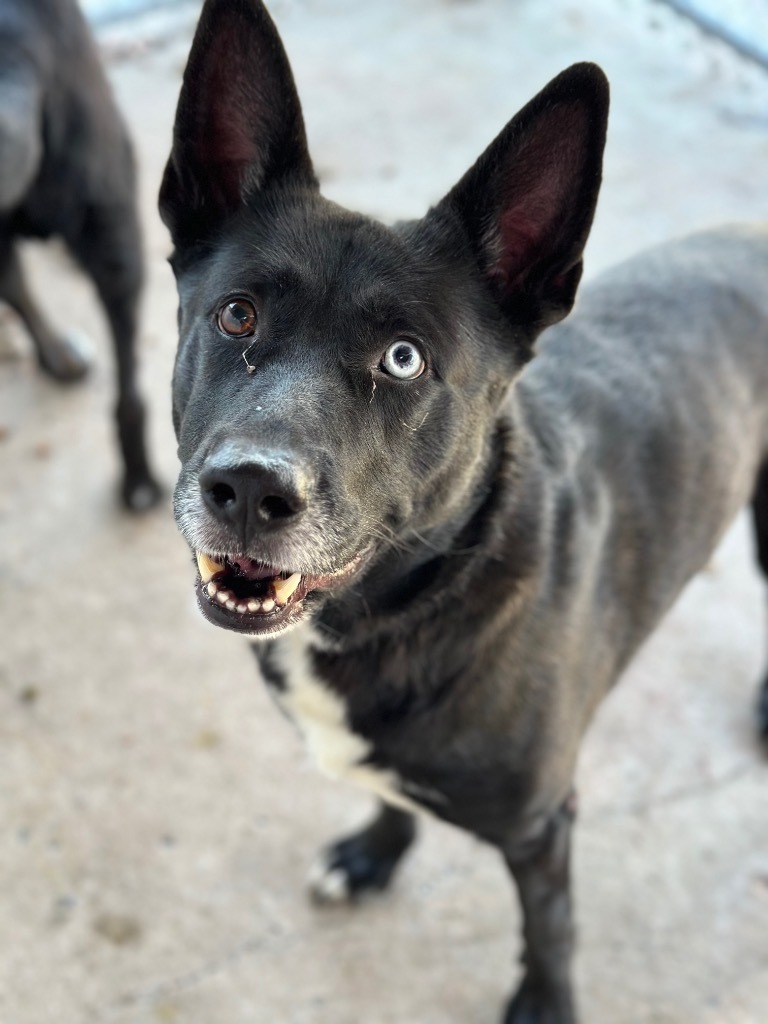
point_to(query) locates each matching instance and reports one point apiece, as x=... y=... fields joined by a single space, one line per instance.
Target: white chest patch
x=321 y=717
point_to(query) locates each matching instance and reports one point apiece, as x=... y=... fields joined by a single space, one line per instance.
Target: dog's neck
x=409 y=583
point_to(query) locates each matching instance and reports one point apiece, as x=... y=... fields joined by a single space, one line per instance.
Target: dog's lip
x=277 y=598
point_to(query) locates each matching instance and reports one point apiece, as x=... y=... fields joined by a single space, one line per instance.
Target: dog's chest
x=320 y=714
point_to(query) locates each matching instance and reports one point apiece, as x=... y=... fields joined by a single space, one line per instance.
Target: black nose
x=254 y=492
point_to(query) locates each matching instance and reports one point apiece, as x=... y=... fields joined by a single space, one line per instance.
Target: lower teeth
x=280 y=589
x=227 y=599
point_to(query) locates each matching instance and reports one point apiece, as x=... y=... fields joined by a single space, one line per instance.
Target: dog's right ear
x=239 y=127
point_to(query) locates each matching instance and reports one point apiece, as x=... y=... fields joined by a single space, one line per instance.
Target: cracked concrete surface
x=158 y=813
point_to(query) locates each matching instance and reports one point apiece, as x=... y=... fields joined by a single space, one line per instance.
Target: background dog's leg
x=760 y=515
x=108 y=247
x=64 y=357
x=541 y=870
x=365 y=860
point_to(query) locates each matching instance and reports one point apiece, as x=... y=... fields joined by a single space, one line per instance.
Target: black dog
x=448 y=549
x=66 y=169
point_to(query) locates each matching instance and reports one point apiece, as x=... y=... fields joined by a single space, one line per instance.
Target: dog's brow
x=284 y=271
x=377 y=303
x=379 y=300
x=386 y=305
x=288 y=276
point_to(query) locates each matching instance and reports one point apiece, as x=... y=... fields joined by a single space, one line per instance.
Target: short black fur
x=484 y=544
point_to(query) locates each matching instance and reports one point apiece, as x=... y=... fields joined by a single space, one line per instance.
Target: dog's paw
x=534 y=1003
x=328 y=884
x=67 y=358
x=140 y=495
x=348 y=869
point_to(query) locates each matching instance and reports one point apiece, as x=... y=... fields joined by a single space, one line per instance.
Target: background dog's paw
x=538 y=1004
x=66 y=358
x=140 y=495
x=347 y=869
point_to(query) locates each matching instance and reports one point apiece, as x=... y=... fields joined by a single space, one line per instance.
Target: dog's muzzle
x=258 y=505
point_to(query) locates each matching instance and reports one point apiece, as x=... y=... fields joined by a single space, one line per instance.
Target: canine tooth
x=253 y=605
x=212 y=590
x=267 y=605
x=284 y=588
x=222 y=597
x=231 y=605
x=207 y=567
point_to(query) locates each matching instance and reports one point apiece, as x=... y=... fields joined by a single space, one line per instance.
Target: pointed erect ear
x=238 y=124
x=527 y=204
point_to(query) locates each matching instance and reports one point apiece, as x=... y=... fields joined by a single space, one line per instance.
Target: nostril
x=251 y=494
x=222 y=495
x=274 y=507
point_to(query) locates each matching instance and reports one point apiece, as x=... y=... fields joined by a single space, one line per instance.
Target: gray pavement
x=158 y=813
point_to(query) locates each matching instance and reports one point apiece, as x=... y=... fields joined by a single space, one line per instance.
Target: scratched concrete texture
x=158 y=814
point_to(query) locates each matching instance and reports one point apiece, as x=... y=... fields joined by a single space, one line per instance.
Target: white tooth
x=267 y=605
x=207 y=567
x=242 y=608
x=223 y=596
x=212 y=590
x=284 y=588
x=253 y=605
x=231 y=605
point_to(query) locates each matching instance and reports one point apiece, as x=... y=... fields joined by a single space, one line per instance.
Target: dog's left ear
x=527 y=204
x=239 y=127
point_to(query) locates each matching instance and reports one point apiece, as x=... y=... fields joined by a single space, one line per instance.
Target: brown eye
x=237 y=318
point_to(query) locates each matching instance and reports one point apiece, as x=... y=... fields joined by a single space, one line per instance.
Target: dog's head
x=337 y=383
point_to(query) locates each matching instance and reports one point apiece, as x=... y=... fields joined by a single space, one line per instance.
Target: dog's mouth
x=239 y=593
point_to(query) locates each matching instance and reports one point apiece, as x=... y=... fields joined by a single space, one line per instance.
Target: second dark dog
x=67 y=169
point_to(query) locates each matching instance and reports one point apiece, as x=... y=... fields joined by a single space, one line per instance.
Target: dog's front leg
x=541 y=870
x=364 y=861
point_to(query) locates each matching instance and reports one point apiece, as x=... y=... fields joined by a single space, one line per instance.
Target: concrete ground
x=158 y=815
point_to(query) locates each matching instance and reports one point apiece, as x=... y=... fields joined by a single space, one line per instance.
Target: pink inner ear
x=226 y=141
x=543 y=178
x=229 y=139
x=516 y=244
x=238 y=114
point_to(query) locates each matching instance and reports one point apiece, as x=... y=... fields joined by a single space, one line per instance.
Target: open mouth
x=238 y=593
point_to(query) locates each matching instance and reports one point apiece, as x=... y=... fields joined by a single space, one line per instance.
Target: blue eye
x=403 y=360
